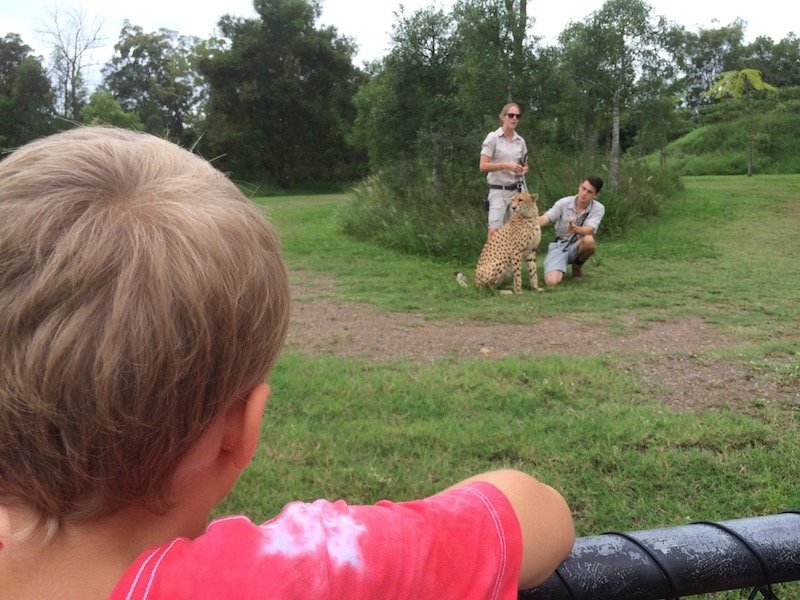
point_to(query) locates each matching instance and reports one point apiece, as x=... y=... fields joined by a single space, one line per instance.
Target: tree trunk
x=589 y=143
x=518 y=20
x=615 y=144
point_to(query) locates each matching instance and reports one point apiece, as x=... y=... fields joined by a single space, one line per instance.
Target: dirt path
x=667 y=355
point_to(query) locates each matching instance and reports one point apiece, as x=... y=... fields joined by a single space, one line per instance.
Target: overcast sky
x=370 y=23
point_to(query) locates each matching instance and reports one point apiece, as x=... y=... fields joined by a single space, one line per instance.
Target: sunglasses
x=513 y=115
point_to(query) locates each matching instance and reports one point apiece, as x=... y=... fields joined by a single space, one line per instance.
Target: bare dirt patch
x=666 y=355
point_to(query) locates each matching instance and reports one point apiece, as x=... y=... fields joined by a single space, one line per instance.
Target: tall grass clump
x=641 y=194
x=414 y=219
x=422 y=215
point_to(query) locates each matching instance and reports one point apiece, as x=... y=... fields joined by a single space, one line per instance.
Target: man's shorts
x=558 y=258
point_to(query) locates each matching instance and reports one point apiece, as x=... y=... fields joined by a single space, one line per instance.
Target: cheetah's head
x=525 y=203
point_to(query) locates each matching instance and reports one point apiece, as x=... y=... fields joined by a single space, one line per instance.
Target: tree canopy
x=150 y=75
x=277 y=98
x=280 y=96
x=26 y=97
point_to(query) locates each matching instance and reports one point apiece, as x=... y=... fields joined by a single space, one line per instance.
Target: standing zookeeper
x=504 y=159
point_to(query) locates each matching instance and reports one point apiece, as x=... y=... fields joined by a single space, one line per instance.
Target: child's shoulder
x=360 y=544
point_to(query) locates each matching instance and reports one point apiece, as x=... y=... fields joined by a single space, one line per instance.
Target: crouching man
x=576 y=220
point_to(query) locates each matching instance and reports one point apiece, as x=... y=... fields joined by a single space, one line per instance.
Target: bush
x=414 y=223
x=400 y=210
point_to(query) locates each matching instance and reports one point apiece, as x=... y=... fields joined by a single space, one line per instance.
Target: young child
x=143 y=301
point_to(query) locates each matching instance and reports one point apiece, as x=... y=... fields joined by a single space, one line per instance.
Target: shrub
x=400 y=210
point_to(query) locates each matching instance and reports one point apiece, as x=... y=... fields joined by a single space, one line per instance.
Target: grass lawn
x=625 y=460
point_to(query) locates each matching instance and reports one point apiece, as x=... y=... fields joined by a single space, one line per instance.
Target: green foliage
x=26 y=96
x=742 y=85
x=717 y=146
x=422 y=224
x=738 y=83
x=438 y=222
x=430 y=103
x=432 y=100
x=103 y=109
x=276 y=99
x=150 y=75
x=280 y=98
x=707 y=54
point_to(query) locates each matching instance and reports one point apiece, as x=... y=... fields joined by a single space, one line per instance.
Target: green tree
x=493 y=52
x=657 y=122
x=493 y=63
x=656 y=115
x=779 y=62
x=629 y=44
x=743 y=85
x=26 y=96
x=617 y=57
x=150 y=74
x=707 y=54
x=432 y=99
x=402 y=112
x=280 y=97
x=583 y=106
x=104 y=109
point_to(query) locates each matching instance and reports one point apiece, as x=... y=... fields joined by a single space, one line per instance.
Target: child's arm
x=544 y=518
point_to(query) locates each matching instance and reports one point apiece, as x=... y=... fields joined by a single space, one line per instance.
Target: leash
x=575 y=236
x=522 y=185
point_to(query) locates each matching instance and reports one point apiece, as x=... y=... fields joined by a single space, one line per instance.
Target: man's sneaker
x=576 y=271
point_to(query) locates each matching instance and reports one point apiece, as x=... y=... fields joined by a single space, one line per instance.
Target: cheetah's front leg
x=517 y=266
x=530 y=258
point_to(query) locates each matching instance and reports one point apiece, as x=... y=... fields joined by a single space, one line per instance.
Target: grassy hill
x=718 y=146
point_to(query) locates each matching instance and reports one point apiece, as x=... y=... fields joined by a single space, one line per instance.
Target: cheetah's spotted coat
x=518 y=238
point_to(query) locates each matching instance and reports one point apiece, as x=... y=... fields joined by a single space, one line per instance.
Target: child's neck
x=84 y=562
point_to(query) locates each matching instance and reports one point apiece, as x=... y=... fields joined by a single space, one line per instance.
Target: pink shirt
x=463 y=544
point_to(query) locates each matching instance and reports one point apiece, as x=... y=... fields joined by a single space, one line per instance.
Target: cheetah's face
x=524 y=203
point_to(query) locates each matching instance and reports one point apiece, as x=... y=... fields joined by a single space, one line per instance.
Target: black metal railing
x=672 y=563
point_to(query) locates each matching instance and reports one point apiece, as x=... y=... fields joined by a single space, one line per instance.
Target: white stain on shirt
x=309 y=529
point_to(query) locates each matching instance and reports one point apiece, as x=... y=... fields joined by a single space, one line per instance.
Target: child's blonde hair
x=141 y=294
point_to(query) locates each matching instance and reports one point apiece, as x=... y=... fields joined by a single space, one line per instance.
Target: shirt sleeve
x=554 y=212
x=595 y=215
x=488 y=145
x=461 y=544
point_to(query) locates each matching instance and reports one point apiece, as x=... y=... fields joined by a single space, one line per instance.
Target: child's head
x=141 y=294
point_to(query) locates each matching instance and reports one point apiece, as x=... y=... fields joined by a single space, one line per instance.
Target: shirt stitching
x=146 y=593
x=499 y=530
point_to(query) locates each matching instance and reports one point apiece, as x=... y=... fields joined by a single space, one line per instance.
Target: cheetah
x=503 y=252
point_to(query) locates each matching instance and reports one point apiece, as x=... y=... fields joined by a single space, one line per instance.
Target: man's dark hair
x=596 y=182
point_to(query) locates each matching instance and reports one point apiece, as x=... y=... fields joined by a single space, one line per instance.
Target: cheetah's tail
x=462 y=281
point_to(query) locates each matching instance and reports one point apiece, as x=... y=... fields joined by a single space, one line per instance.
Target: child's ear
x=243 y=426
